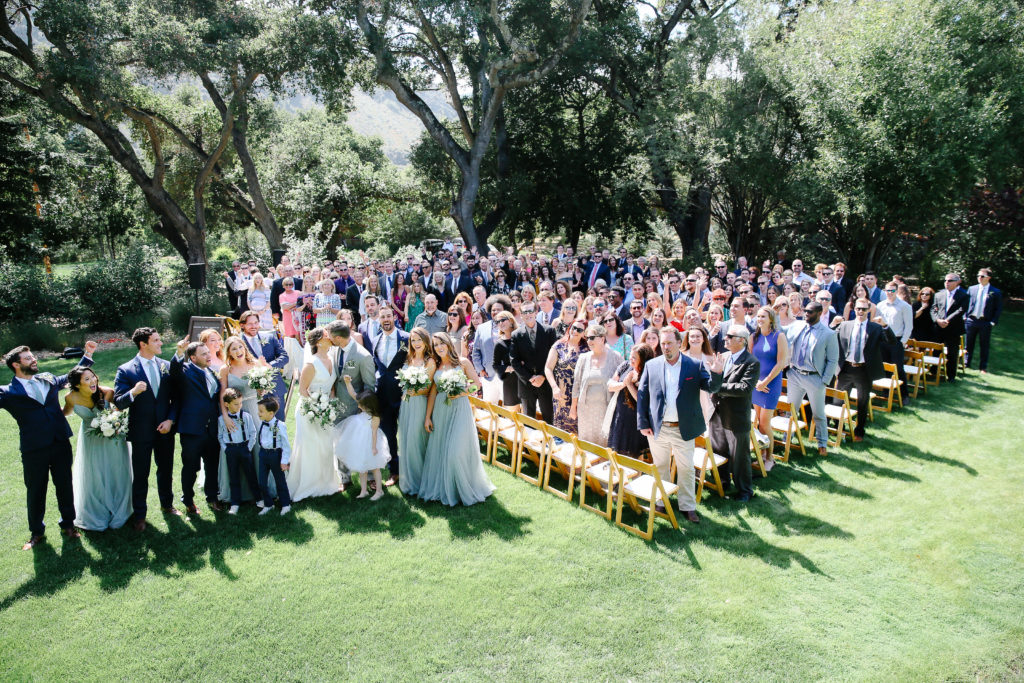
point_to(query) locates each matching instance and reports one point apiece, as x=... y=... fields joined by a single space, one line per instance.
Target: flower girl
x=360 y=442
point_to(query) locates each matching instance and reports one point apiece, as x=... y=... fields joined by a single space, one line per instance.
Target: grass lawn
x=898 y=559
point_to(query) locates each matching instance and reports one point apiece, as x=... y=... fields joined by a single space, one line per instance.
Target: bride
x=312 y=470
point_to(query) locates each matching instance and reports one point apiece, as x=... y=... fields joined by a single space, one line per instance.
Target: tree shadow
x=52 y=571
x=909 y=450
x=867 y=468
x=392 y=514
x=489 y=517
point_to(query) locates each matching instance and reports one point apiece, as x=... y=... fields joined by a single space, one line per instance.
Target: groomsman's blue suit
x=198 y=410
x=272 y=350
x=979 y=327
x=389 y=392
x=145 y=413
x=45 y=442
x=651 y=398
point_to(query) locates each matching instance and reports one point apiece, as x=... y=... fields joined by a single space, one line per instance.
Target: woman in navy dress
x=624 y=436
x=769 y=346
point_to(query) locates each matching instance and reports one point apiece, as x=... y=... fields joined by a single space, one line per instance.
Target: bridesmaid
x=102 y=471
x=238 y=361
x=452 y=469
x=562 y=359
x=412 y=437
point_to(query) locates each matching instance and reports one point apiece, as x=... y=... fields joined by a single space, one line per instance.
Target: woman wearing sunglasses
x=562 y=359
x=590 y=395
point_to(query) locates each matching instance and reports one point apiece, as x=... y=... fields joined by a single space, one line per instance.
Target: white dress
x=354 y=444
x=312 y=471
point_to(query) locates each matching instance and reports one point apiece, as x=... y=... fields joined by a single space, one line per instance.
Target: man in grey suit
x=356 y=362
x=483 y=348
x=813 y=365
x=730 y=423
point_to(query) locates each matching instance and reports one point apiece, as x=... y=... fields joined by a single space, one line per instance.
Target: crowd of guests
x=621 y=350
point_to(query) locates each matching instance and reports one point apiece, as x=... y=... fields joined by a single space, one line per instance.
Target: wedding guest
x=781 y=307
x=346 y=318
x=860 y=359
x=289 y=301
x=412 y=436
x=616 y=337
x=652 y=340
x=730 y=424
x=389 y=353
x=948 y=312
x=924 y=326
x=431 y=319
x=44 y=438
x=275 y=455
x=590 y=395
x=232 y=376
x=215 y=343
x=503 y=360
x=414 y=305
x=529 y=348
x=456 y=326
x=898 y=316
x=624 y=436
x=814 y=360
x=198 y=392
x=559 y=370
x=362 y=442
x=476 y=319
x=453 y=472
x=859 y=291
x=399 y=294
x=983 y=309
x=303 y=318
x=697 y=347
x=102 y=471
x=311 y=469
x=326 y=304
x=259 y=301
x=237 y=445
x=141 y=388
x=771 y=348
x=657 y=317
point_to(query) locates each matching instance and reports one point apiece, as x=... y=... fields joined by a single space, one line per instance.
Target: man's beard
x=30 y=369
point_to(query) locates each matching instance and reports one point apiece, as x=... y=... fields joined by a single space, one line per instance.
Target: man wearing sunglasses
x=897 y=315
x=730 y=423
x=860 y=351
x=986 y=303
x=812 y=366
x=948 y=313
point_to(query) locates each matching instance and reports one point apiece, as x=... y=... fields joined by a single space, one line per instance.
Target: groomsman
x=142 y=386
x=199 y=397
x=45 y=438
x=986 y=303
x=948 y=312
x=268 y=350
x=389 y=354
x=529 y=351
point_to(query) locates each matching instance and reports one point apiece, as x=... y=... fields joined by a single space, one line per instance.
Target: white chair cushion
x=644 y=487
x=698 y=459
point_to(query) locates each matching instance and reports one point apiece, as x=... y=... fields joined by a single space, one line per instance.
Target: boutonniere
x=402 y=347
x=350 y=365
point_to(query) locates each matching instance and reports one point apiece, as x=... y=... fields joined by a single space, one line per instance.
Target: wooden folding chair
x=534 y=446
x=703 y=460
x=485 y=421
x=934 y=360
x=962 y=357
x=507 y=434
x=566 y=458
x=790 y=424
x=602 y=477
x=888 y=388
x=837 y=408
x=647 y=486
x=756 y=447
x=913 y=367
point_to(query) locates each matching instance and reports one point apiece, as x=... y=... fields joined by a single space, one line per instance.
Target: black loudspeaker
x=197 y=275
x=276 y=255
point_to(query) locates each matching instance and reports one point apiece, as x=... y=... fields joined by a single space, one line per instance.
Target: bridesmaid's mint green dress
x=453 y=472
x=412 y=443
x=102 y=478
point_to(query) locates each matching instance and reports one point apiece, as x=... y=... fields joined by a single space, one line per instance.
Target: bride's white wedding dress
x=312 y=471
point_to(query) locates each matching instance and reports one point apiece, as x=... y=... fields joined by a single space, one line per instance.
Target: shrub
x=224 y=253
x=25 y=293
x=111 y=290
x=134 y=321
x=39 y=336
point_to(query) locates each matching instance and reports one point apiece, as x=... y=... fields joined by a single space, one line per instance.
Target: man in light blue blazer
x=483 y=348
x=812 y=367
x=267 y=348
x=668 y=412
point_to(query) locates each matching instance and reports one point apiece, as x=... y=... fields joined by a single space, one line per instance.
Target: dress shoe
x=857 y=439
x=660 y=508
x=192 y=510
x=215 y=506
x=691 y=516
x=71 y=532
x=140 y=524
x=822 y=450
x=33 y=542
x=742 y=497
x=172 y=511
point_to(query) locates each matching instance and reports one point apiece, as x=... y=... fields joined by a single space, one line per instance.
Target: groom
x=268 y=350
x=353 y=361
x=32 y=399
x=389 y=352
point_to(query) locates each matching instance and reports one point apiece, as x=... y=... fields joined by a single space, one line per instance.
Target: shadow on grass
x=391 y=514
x=53 y=571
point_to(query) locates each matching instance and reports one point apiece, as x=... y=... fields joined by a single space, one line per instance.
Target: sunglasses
x=453 y=315
x=733 y=336
x=578 y=330
x=862 y=308
x=891 y=291
x=592 y=337
x=569 y=308
x=599 y=305
x=952 y=281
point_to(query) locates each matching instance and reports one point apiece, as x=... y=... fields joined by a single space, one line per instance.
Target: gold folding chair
x=566 y=458
x=534 y=445
x=755 y=447
x=703 y=460
x=507 y=434
x=647 y=486
x=837 y=408
x=888 y=388
x=962 y=357
x=789 y=423
x=934 y=360
x=603 y=479
x=913 y=366
x=485 y=421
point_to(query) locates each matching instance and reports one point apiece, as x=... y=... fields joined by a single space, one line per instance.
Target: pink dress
x=287 y=319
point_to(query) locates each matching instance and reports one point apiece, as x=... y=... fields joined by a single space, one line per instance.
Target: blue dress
x=102 y=476
x=412 y=443
x=766 y=350
x=453 y=472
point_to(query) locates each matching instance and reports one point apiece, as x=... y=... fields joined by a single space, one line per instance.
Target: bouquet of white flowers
x=109 y=424
x=320 y=408
x=452 y=383
x=413 y=379
x=262 y=378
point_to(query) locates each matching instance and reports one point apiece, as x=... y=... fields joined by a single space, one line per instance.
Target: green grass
x=898 y=559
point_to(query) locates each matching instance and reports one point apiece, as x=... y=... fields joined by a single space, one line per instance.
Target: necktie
x=593 y=275
x=211 y=382
x=37 y=390
x=801 y=348
x=256 y=346
x=858 y=354
x=979 y=307
x=388 y=355
x=533 y=335
x=728 y=363
x=153 y=374
x=945 y=307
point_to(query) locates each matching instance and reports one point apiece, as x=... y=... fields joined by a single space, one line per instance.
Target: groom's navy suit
x=272 y=350
x=145 y=413
x=45 y=442
x=389 y=392
x=198 y=411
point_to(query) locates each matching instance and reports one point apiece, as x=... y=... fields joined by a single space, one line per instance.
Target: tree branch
x=451 y=81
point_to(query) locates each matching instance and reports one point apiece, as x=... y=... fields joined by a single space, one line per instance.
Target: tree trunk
x=262 y=214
